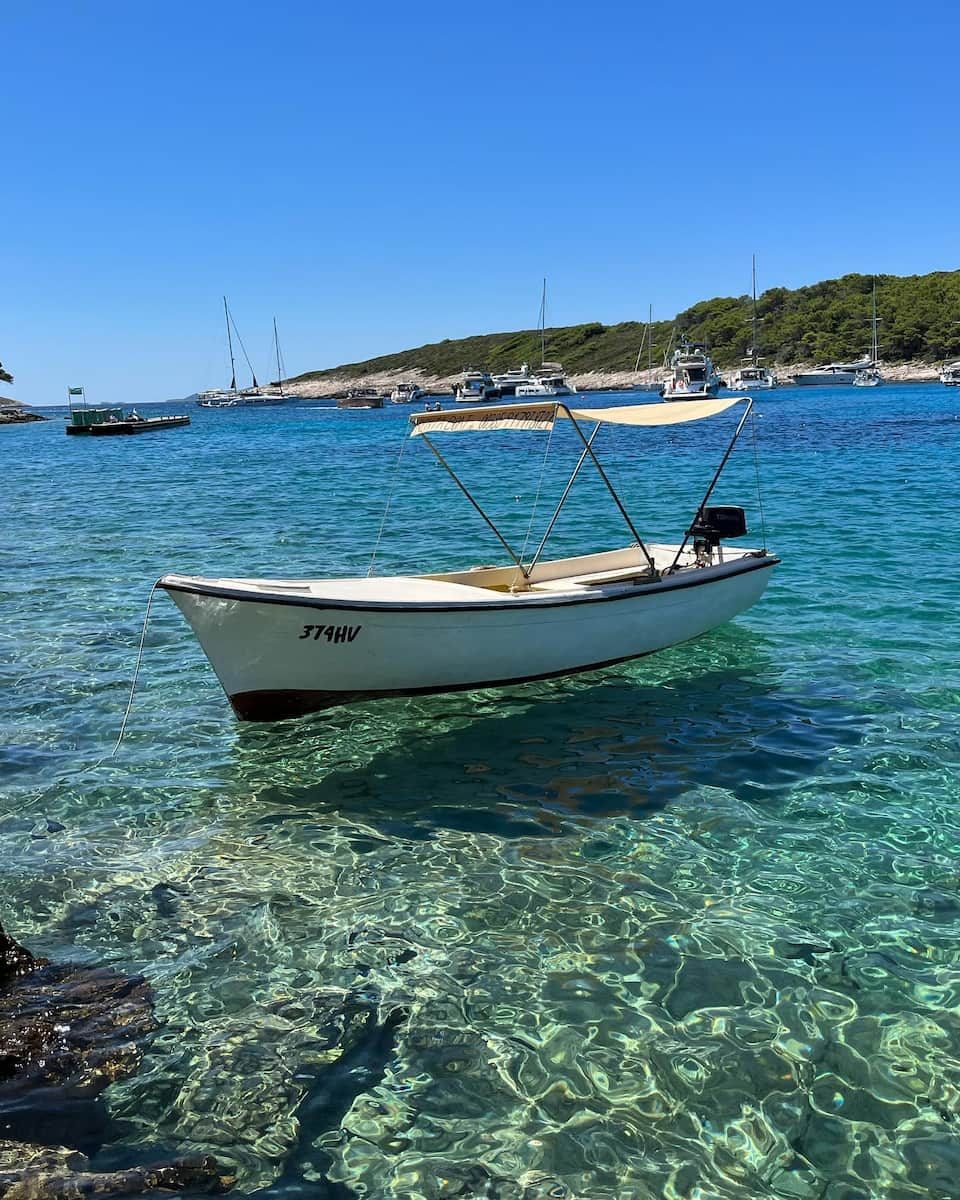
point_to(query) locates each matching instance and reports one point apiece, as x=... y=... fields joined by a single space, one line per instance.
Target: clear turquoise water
x=689 y=927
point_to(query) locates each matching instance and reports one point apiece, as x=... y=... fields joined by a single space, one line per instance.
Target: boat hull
x=823 y=378
x=280 y=656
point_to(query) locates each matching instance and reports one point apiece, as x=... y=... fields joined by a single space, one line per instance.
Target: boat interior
x=607 y=569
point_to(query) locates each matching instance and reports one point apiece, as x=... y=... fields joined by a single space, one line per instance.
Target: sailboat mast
x=276 y=342
x=650 y=342
x=233 y=369
x=543 y=321
x=753 y=348
x=874 y=348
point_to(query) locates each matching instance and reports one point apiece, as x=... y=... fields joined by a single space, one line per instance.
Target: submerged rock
x=67 y=1031
x=57 y=1173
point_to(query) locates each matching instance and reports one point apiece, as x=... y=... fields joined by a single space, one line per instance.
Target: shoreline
x=587 y=381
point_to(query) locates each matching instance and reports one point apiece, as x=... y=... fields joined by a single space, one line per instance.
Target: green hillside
x=919 y=317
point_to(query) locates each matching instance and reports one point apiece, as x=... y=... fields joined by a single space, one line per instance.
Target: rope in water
x=136 y=673
x=92 y=766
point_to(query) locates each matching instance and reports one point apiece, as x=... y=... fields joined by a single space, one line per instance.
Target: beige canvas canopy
x=542 y=416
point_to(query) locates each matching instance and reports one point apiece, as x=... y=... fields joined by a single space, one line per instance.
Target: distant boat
x=406 y=393
x=950 y=374
x=870 y=376
x=754 y=377
x=361 y=398
x=112 y=421
x=505 y=385
x=651 y=384
x=472 y=386
x=865 y=372
x=233 y=396
x=692 y=373
x=832 y=374
x=273 y=394
x=549 y=380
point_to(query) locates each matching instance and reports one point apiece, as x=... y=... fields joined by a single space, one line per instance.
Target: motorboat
x=548 y=381
x=950 y=374
x=286 y=647
x=868 y=377
x=406 y=393
x=692 y=374
x=217 y=399
x=753 y=378
x=504 y=386
x=832 y=374
x=473 y=387
x=361 y=398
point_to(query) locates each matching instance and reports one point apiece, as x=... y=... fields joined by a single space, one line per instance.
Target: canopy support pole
x=588 y=449
x=713 y=482
x=453 y=475
x=563 y=499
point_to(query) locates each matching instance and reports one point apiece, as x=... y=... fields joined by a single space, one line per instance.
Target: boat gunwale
x=627 y=590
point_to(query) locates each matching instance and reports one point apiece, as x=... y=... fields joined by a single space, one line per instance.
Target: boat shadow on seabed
x=543 y=759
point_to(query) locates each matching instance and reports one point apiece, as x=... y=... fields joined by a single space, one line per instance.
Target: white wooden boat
x=285 y=647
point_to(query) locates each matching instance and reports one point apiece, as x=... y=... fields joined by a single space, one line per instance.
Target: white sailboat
x=285 y=647
x=550 y=379
x=254 y=394
x=651 y=384
x=753 y=377
x=222 y=397
x=870 y=376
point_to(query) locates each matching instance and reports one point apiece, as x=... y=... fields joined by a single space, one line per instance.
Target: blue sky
x=382 y=175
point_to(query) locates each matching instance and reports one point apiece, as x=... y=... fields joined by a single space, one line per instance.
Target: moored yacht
x=471 y=387
x=833 y=374
x=548 y=381
x=754 y=378
x=950 y=374
x=406 y=392
x=506 y=384
x=692 y=374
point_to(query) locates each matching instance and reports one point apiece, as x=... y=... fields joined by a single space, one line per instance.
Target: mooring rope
x=92 y=766
x=136 y=672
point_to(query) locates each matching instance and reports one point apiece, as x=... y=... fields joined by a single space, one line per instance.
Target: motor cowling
x=713 y=524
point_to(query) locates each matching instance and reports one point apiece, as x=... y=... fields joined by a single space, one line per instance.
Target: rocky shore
x=12 y=412
x=67 y=1031
x=588 y=381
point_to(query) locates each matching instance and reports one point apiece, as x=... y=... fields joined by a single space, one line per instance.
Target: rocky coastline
x=331 y=386
x=14 y=413
x=67 y=1031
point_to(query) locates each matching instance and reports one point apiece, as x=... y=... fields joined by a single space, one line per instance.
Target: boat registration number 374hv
x=530 y=618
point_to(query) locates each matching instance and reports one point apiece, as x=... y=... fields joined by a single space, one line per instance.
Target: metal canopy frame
x=586 y=453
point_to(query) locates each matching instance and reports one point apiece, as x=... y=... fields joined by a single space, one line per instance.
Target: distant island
x=919 y=322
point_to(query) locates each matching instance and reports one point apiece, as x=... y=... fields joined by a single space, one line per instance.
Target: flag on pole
x=75 y=391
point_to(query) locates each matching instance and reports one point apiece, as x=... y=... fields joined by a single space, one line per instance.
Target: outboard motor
x=711 y=525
